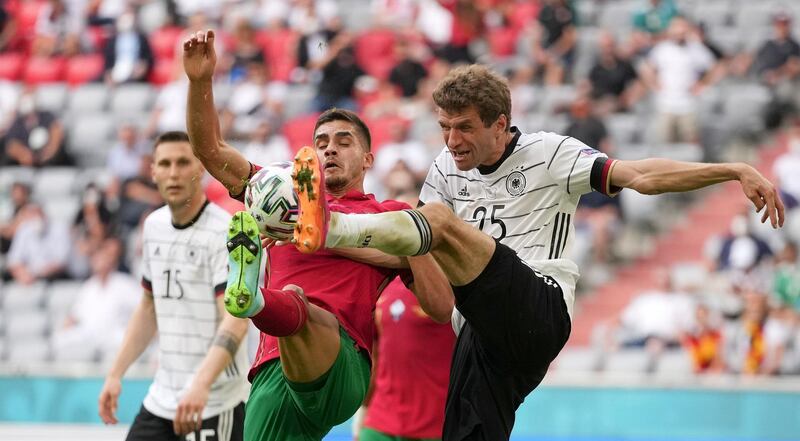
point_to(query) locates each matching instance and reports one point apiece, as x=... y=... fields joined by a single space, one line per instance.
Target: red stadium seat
x=502 y=42
x=27 y=15
x=380 y=130
x=84 y=68
x=164 y=42
x=162 y=72
x=523 y=14
x=280 y=51
x=375 y=52
x=300 y=131
x=11 y=65
x=44 y=70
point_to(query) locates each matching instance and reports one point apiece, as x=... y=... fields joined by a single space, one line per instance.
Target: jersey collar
x=194 y=219
x=489 y=169
x=353 y=195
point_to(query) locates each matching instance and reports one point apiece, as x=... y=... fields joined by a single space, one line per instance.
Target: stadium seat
x=579 y=360
x=630 y=361
x=757 y=15
x=26 y=325
x=300 y=96
x=34 y=351
x=162 y=72
x=280 y=51
x=164 y=42
x=83 y=353
x=51 y=97
x=714 y=13
x=502 y=42
x=62 y=294
x=27 y=15
x=729 y=39
x=743 y=106
x=88 y=98
x=617 y=15
x=64 y=208
x=557 y=97
x=54 y=182
x=152 y=16
x=90 y=135
x=44 y=70
x=624 y=128
x=84 y=68
x=381 y=130
x=299 y=131
x=674 y=364
x=11 y=65
x=13 y=174
x=131 y=99
x=374 y=51
x=23 y=297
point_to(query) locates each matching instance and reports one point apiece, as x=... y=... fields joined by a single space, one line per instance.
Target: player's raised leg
x=460 y=249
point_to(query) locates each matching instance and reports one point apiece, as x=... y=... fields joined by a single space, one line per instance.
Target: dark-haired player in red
x=412 y=359
x=315 y=312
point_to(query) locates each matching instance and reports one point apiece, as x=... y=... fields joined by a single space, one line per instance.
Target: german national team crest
x=515 y=183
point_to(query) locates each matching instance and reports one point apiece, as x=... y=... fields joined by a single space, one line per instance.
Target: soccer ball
x=271 y=200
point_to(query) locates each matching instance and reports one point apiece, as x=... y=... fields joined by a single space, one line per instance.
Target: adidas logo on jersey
x=463 y=191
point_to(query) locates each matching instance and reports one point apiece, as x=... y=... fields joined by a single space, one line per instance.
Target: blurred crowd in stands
x=85 y=85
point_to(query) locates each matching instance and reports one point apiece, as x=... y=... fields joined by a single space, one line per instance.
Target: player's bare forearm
x=140 y=332
x=230 y=333
x=655 y=176
x=224 y=162
x=373 y=257
x=431 y=287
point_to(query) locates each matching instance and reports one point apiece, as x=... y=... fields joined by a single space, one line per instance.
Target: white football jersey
x=186 y=268
x=527 y=200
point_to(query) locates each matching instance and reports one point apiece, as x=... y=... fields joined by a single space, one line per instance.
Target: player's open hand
x=199 y=56
x=107 y=403
x=763 y=195
x=189 y=416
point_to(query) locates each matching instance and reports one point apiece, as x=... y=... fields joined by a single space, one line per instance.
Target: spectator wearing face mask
x=36 y=137
x=127 y=55
x=39 y=249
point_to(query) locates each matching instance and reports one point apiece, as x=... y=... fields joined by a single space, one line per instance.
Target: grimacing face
x=344 y=158
x=470 y=142
x=177 y=172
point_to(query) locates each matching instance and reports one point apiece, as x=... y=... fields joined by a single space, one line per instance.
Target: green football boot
x=242 y=295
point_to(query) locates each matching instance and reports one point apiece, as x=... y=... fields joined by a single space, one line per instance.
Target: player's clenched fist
x=199 y=57
x=107 y=403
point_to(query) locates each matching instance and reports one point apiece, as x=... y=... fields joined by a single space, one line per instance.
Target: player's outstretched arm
x=230 y=333
x=655 y=176
x=431 y=287
x=224 y=162
x=140 y=332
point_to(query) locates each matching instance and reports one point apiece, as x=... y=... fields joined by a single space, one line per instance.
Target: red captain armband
x=240 y=197
x=600 y=177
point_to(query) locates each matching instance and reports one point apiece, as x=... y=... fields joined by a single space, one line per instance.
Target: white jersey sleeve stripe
x=549 y=164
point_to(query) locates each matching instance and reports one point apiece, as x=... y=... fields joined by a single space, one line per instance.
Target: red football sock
x=284 y=313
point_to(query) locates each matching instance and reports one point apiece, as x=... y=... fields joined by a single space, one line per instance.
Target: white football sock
x=399 y=233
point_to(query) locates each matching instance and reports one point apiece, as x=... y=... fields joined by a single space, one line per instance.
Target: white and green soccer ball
x=271 y=200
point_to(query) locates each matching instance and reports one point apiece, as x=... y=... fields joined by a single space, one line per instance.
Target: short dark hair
x=171 y=136
x=478 y=86
x=335 y=114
